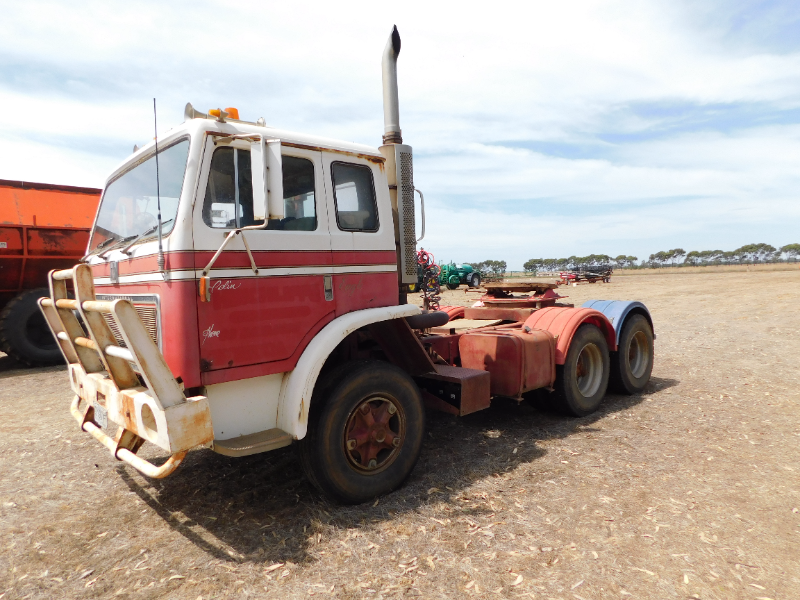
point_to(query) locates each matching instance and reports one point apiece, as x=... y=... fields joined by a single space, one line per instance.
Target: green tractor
x=454 y=275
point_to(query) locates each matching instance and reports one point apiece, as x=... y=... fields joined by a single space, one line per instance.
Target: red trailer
x=42 y=227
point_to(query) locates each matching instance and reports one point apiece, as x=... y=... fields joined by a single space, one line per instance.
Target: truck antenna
x=158 y=193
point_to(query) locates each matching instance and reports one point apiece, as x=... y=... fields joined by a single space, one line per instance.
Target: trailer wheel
x=365 y=435
x=632 y=364
x=24 y=334
x=582 y=380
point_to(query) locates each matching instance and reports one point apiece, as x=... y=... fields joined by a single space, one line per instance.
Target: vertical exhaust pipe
x=391 y=105
x=399 y=171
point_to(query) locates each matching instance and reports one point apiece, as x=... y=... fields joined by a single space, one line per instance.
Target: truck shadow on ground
x=262 y=509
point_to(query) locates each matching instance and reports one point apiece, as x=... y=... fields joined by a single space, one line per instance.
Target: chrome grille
x=148 y=310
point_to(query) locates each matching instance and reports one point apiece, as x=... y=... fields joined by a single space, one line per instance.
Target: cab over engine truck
x=272 y=309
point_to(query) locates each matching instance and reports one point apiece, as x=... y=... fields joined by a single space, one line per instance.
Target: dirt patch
x=689 y=490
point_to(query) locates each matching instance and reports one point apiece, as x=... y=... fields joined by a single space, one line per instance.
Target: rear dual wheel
x=582 y=380
x=632 y=363
x=365 y=431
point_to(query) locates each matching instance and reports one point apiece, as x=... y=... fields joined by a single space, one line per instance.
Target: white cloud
x=76 y=86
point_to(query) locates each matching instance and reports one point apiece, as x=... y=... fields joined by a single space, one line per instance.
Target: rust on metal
x=463 y=389
x=374 y=433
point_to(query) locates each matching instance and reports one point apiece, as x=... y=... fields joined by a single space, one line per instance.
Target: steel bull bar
x=131 y=386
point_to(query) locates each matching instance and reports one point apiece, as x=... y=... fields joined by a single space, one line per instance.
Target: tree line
x=747 y=254
x=563 y=264
x=490 y=267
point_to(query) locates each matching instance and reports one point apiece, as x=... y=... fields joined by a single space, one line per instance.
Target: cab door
x=362 y=232
x=259 y=323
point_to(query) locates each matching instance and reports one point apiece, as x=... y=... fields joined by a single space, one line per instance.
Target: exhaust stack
x=399 y=171
x=391 y=106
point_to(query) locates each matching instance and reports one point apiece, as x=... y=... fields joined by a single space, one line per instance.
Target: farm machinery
x=42 y=227
x=587 y=274
x=252 y=292
x=454 y=275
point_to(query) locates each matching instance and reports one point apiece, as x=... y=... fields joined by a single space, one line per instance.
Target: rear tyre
x=476 y=280
x=582 y=380
x=632 y=363
x=365 y=432
x=24 y=334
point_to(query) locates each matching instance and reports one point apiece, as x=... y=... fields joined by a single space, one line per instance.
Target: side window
x=229 y=194
x=354 y=195
x=299 y=207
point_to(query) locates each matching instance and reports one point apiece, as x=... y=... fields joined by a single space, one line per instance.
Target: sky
x=539 y=129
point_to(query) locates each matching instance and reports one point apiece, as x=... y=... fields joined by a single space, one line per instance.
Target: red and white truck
x=245 y=288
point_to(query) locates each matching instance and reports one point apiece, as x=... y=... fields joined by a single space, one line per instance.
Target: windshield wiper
x=116 y=243
x=103 y=244
x=126 y=249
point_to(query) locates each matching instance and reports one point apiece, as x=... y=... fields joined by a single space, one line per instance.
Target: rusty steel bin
x=42 y=227
x=517 y=361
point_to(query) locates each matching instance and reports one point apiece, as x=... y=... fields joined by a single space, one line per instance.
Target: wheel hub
x=638 y=354
x=589 y=370
x=374 y=432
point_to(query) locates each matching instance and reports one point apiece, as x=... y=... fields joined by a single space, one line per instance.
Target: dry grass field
x=689 y=490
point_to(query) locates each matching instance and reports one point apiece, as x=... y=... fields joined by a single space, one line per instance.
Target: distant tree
x=693 y=257
x=765 y=252
x=791 y=251
x=493 y=267
x=662 y=257
x=676 y=254
x=533 y=265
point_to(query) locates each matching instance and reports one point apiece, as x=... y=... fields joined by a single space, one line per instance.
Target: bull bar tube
x=146 y=402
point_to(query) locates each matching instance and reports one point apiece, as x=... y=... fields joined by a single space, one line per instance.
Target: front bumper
x=106 y=386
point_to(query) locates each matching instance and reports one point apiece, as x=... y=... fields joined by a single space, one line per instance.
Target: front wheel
x=632 y=364
x=582 y=380
x=365 y=432
x=452 y=286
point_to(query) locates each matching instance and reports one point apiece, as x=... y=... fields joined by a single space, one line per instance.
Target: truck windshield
x=130 y=207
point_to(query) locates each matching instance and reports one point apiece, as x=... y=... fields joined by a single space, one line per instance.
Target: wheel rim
x=374 y=434
x=638 y=354
x=589 y=370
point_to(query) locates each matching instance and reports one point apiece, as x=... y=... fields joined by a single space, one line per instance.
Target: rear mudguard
x=563 y=322
x=617 y=311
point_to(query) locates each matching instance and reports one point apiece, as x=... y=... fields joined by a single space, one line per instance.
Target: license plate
x=100 y=415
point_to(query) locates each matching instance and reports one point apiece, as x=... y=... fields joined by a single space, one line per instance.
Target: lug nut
x=351 y=444
x=396 y=442
x=392 y=408
x=373 y=463
x=364 y=408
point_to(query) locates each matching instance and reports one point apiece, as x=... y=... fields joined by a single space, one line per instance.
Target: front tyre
x=365 y=432
x=582 y=381
x=632 y=364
